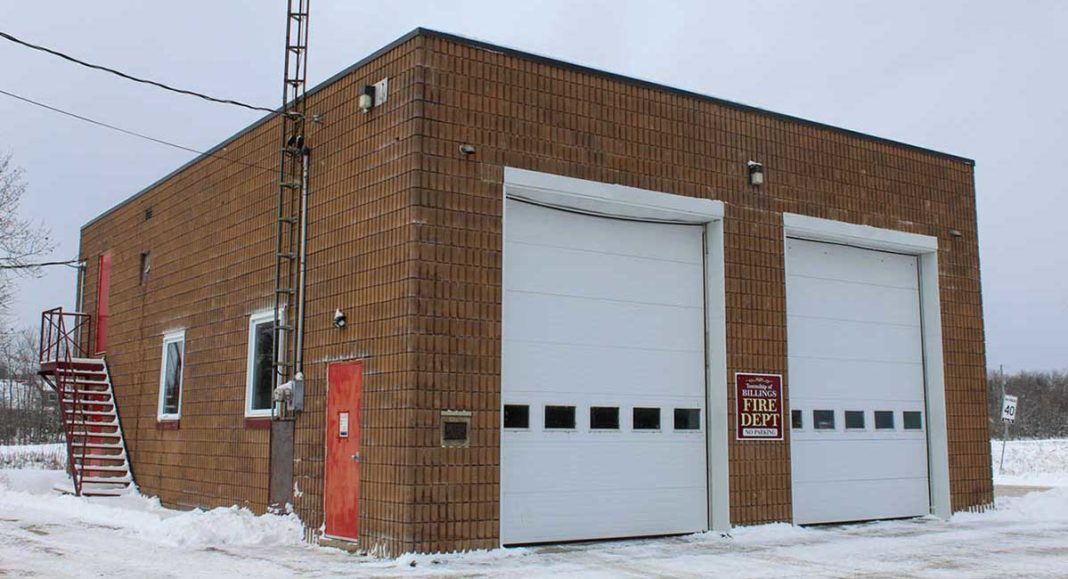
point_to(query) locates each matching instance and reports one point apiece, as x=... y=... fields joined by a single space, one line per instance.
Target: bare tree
x=21 y=240
x=29 y=408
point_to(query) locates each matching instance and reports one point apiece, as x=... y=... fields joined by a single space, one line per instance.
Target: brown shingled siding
x=405 y=237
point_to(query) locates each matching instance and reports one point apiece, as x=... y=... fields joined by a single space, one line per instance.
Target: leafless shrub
x=1042 y=410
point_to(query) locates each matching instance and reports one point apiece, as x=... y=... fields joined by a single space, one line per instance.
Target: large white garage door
x=858 y=442
x=603 y=387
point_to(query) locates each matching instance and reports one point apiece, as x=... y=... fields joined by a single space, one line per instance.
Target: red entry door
x=103 y=291
x=342 y=496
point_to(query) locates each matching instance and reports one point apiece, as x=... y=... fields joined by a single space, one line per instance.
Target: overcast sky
x=981 y=79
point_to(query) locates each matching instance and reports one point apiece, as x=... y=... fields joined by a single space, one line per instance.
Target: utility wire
x=128 y=132
x=133 y=78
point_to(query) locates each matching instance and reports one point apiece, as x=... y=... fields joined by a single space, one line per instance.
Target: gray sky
x=980 y=78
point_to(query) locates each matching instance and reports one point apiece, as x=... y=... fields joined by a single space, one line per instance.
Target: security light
x=366 y=99
x=756 y=173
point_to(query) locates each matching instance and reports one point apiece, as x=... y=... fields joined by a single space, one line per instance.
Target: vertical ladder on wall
x=291 y=199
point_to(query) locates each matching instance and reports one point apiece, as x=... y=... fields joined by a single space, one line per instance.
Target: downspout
x=79 y=296
x=298 y=363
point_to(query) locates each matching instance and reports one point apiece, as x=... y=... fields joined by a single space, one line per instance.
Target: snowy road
x=43 y=534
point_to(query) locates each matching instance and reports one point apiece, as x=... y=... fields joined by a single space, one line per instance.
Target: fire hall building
x=547 y=303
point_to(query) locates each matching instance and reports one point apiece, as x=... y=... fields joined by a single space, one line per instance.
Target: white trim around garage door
x=925 y=248
x=632 y=203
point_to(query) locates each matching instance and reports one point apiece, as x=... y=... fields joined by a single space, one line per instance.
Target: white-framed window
x=172 y=367
x=259 y=373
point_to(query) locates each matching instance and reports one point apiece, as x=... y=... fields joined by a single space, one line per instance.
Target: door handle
x=356 y=457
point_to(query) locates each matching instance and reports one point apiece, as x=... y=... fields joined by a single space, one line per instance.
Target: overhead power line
x=131 y=77
x=128 y=132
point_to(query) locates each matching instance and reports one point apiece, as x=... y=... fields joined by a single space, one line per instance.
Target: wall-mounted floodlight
x=366 y=100
x=756 y=173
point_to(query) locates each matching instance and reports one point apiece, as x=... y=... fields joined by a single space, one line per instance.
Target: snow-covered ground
x=43 y=534
x=1032 y=463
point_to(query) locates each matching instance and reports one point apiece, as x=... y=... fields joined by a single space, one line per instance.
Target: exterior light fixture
x=339 y=319
x=756 y=173
x=467 y=149
x=955 y=232
x=366 y=99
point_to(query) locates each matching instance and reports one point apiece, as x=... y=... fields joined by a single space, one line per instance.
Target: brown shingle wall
x=523 y=113
x=212 y=241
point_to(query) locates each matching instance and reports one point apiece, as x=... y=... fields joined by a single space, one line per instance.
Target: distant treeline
x=1043 y=404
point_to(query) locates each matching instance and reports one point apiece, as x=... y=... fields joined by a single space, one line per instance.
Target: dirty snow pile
x=1032 y=462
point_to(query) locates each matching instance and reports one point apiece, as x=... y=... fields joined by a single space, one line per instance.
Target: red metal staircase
x=96 y=449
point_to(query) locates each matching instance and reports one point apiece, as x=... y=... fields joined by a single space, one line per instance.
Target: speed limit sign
x=1008 y=408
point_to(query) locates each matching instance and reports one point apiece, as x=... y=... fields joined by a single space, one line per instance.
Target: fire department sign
x=758 y=402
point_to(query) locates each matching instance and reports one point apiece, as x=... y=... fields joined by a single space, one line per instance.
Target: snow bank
x=1051 y=505
x=27 y=494
x=1032 y=462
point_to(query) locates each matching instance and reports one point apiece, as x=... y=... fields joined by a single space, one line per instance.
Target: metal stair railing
x=60 y=343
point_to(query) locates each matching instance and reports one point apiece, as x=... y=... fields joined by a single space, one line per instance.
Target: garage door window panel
x=604 y=418
x=797 y=420
x=687 y=419
x=646 y=419
x=560 y=418
x=517 y=416
x=854 y=419
x=884 y=420
x=912 y=420
x=823 y=419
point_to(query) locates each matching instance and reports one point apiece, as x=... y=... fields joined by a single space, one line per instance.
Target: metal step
x=97 y=434
x=119 y=480
x=91 y=490
x=111 y=424
x=89 y=361
x=102 y=468
x=121 y=457
x=91 y=412
x=79 y=445
x=88 y=393
x=80 y=370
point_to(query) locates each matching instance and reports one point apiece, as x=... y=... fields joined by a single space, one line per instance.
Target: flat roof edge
x=529 y=56
x=682 y=92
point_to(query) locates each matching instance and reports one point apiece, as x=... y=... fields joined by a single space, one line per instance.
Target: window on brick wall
x=172 y=365
x=259 y=378
x=146 y=266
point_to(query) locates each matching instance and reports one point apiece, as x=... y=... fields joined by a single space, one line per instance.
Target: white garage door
x=603 y=386
x=858 y=442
